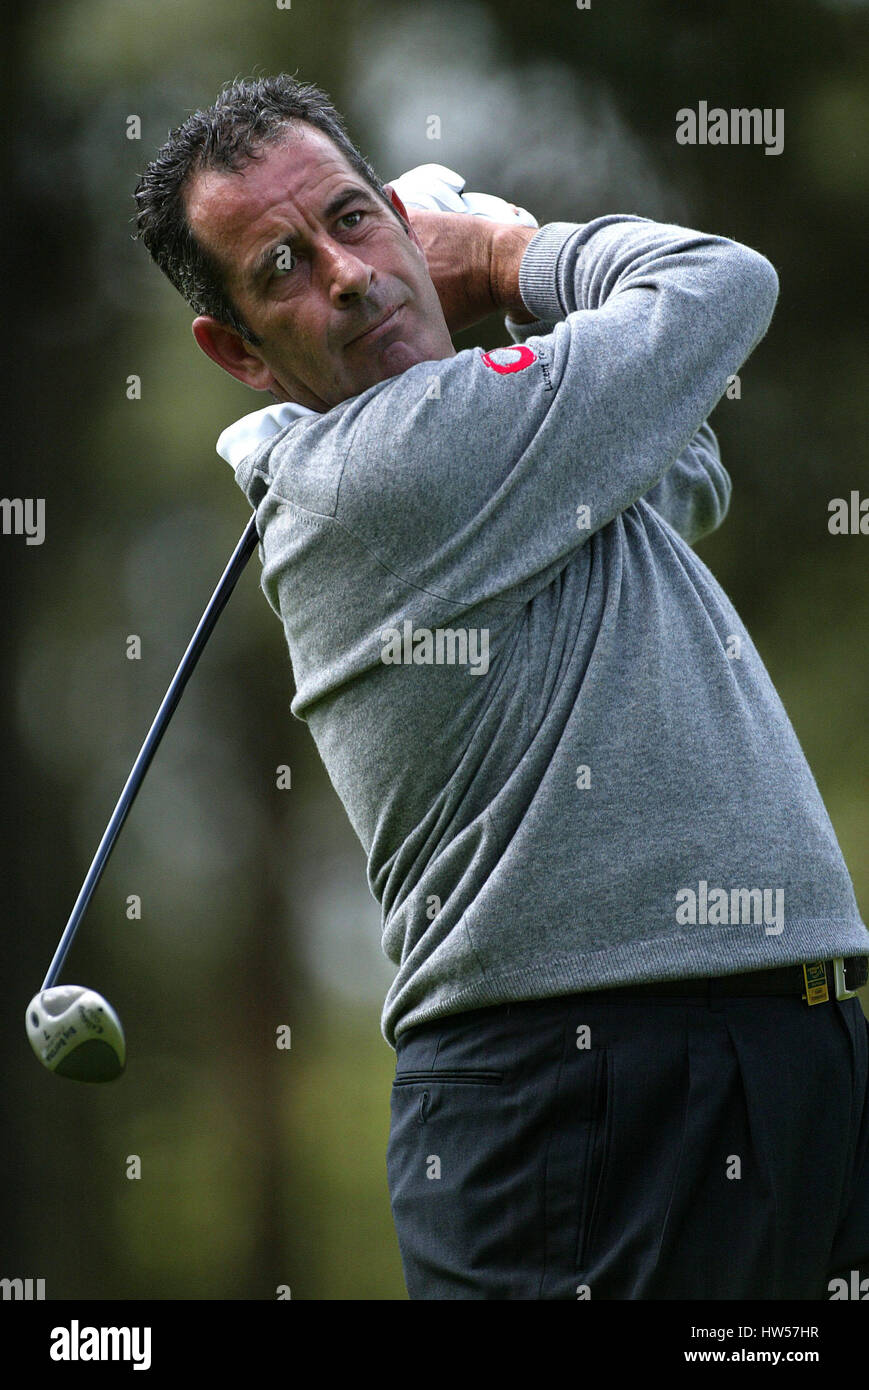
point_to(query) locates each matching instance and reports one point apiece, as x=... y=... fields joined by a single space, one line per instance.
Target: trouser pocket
x=470 y=1078
x=575 y=1166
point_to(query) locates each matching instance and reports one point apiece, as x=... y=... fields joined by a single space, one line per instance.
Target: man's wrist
x=507 y=248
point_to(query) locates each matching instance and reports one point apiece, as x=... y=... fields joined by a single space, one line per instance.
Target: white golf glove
x=438 y=189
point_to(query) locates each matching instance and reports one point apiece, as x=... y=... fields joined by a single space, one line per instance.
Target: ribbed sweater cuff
x=538 y=271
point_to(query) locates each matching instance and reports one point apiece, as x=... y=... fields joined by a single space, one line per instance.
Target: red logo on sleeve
x=509 y=359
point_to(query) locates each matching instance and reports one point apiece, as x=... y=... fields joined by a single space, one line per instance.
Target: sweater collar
x=241 y=438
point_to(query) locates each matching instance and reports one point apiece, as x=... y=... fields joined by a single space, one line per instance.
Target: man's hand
x=474 y=265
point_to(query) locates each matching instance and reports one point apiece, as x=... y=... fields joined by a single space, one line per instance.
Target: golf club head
x=76 y=1033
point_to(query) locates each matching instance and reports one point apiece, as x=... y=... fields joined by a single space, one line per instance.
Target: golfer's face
x=320 y=269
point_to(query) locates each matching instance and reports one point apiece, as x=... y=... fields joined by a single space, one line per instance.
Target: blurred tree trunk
x=45 y=1157
x=18 y=953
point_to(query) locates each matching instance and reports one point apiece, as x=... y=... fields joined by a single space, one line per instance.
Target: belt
x=815 y=981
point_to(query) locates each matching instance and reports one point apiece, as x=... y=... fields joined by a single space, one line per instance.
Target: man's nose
x=347 y=277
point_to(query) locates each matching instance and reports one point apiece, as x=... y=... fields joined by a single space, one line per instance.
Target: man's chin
x=396 y=358
x=390 y=361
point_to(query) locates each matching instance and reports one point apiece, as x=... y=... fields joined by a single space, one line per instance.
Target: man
x=629 y=1060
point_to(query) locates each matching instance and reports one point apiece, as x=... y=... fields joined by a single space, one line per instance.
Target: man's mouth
x=368 y=334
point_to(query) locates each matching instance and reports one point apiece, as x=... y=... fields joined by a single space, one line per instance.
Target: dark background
x=263 y=1167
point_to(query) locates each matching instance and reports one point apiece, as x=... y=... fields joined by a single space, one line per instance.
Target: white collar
x=240 y=439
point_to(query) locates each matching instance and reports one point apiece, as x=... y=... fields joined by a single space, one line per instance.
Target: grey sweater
x=550 y=730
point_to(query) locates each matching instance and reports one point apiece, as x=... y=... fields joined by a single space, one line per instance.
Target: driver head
x=76 y=1033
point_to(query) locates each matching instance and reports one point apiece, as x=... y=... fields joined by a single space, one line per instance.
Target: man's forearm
x=507 y=249
x=474 y=265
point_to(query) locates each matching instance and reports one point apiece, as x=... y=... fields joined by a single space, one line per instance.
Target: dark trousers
x=681 y=1148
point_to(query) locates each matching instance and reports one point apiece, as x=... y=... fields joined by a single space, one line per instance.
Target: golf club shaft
x=216 y=604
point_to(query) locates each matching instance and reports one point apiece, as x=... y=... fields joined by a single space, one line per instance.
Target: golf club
x=73 y=1030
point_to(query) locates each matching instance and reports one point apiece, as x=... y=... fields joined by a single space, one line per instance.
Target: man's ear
x=402 y=212
x=225 y=347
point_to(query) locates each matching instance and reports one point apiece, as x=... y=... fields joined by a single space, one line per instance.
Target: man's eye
x=352 y=214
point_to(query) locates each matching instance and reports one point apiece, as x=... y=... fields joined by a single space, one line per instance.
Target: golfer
x=629 y=1060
